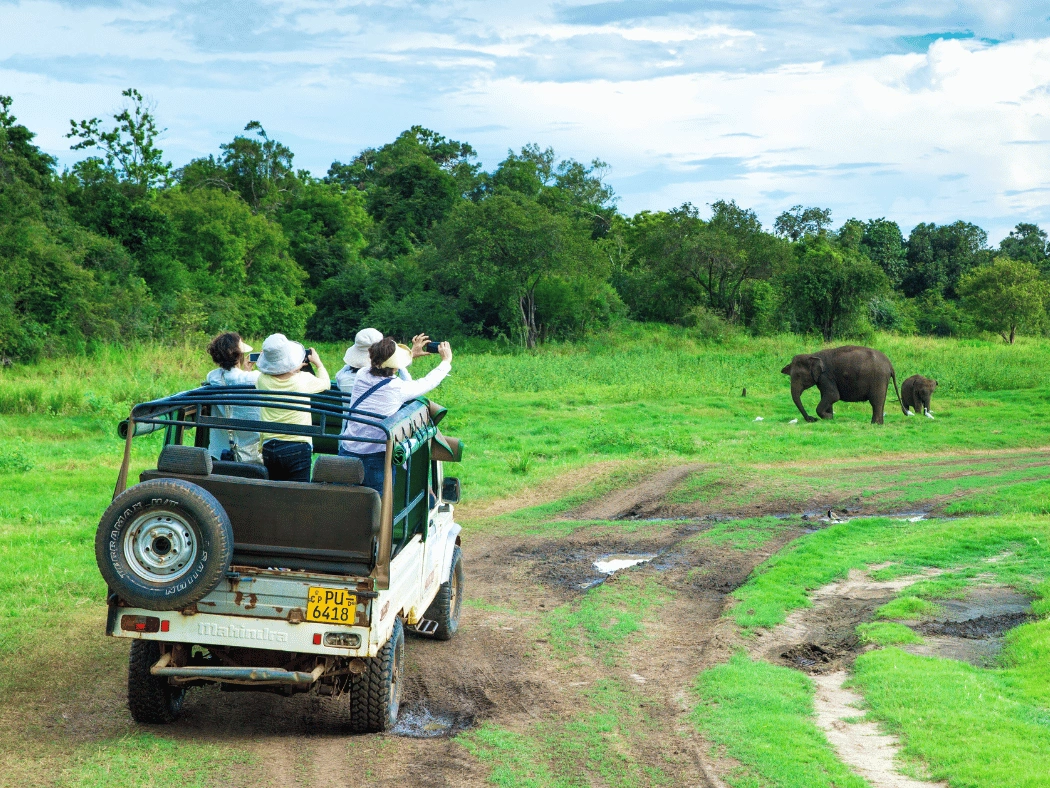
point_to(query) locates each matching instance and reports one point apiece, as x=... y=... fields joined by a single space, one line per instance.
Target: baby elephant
x=916 y=392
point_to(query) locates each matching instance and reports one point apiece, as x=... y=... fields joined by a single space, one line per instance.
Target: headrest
x=246 y=470
x=330 y=469
x=184 y=459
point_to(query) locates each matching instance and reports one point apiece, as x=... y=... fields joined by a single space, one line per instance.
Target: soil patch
x=822 y=639
x=972 y=629
x=862 y=745
x=639 y=501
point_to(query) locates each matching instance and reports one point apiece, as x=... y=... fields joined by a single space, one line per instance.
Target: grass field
x=551 y=430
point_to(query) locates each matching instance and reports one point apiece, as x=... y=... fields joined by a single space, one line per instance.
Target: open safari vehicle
x=221 y=576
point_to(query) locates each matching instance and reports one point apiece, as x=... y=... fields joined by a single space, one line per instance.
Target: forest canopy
x=415 y=236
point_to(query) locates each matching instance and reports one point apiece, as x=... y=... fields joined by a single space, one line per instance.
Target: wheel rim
x=160 y=547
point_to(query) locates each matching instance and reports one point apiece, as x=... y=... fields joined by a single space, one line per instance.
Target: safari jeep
x=219 y=575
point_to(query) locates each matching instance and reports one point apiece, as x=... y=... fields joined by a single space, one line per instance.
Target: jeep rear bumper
x=208 y=629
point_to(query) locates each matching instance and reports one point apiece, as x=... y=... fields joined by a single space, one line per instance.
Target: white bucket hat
x=280 y=355
x=244 y=347
x=357 y=354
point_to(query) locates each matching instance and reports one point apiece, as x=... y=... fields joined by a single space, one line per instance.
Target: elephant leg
x=878 y=402
x=829 y=395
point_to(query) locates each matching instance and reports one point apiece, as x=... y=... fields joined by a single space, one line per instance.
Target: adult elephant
x=851 y=374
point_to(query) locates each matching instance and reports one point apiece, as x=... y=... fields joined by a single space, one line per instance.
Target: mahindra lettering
x=221 y=575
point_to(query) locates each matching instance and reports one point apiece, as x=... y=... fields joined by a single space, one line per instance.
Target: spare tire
x=164 y=544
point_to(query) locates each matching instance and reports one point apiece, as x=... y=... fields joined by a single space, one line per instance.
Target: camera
x=431 y=347
x=307 y=366
x=253 y=357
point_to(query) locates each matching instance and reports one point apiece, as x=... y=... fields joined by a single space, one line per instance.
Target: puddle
x=608 y=564
x=422 y=723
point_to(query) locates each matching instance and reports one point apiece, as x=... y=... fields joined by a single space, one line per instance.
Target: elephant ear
x=816 y=367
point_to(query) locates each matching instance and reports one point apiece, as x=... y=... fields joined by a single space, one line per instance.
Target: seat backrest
x=295 y=525
x=248 y=470
x=338 y=470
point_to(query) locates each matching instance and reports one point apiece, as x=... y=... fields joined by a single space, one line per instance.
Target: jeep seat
x=318 y=526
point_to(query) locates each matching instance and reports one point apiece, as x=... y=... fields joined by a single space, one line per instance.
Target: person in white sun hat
x=379 y=391
x=230 y=352
x=356 y=357
x=287 y=457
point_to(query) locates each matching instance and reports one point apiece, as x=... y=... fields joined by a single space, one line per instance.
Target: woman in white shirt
x=230 y=352
x=379 y=391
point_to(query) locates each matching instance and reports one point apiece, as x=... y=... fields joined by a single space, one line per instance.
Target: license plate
x=331 y=605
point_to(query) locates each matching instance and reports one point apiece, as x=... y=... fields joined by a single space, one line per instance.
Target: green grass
x=762 y=715
x=886 y=633
x=596 y=625
x=974 y=727
x=783 y=583
x=147 y=761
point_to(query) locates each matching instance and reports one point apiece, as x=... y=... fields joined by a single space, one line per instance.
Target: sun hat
x=244 y=347
x=280 y=355
x=401 y=358
x=357 y=354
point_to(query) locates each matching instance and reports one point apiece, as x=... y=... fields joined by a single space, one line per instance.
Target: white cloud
x=823 y=108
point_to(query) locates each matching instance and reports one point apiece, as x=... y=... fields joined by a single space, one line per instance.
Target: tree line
x=415 y=236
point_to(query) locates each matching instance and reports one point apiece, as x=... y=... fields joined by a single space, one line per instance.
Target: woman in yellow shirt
x=287 y=457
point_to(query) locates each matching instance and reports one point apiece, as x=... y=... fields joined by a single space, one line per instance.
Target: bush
x=942 y=318
x=889 y=314
x=760 y=309
x=708 y=325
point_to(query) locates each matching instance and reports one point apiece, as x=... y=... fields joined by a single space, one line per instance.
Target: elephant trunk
x=796 y=395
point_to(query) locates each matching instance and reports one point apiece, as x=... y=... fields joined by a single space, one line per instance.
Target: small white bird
x=759 y=418
x=793 y=421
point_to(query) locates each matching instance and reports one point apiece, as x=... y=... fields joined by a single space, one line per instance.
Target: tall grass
x=627 y=364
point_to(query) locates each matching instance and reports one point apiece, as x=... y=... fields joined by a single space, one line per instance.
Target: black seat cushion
x=246 y=470
x=295 y=525
x=193 y=460
x=338 y=470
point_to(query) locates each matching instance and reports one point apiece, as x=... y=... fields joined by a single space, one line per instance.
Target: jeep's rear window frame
x=405 y=432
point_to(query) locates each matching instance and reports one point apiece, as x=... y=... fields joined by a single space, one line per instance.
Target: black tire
x=448 y=603
x=375 y=694
x=164 y=544
x=151 y=699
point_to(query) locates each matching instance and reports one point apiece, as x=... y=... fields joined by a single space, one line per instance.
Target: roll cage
x=410 y=439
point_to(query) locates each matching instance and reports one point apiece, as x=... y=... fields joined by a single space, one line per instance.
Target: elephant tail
x=893 y=377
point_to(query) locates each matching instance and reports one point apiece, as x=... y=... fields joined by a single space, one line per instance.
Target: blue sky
x=917 y=111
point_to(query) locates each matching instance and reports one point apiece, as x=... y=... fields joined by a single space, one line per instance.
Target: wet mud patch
x=823 y=639
x=420 y=722
x=578 y=563
x=972 y=629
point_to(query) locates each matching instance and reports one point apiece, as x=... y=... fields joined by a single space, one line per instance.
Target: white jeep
x=220 y=575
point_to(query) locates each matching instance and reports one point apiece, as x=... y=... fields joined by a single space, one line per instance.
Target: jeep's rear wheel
x=448 y=603
x=375 y=694
x=164 y=544
x=151 y=699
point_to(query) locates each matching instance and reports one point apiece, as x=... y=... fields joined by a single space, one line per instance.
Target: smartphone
x=253 y=357
x=431 y=347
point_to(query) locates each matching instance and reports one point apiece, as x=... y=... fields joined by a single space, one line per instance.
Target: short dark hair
x=225 y=349
x=380 y=352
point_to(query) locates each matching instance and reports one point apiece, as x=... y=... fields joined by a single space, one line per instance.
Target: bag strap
x=370 y=392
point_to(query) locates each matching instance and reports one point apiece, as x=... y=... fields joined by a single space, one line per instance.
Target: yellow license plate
x=331 y=606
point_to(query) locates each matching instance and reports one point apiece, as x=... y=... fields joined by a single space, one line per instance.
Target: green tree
x=1005 y=295
x=828 y=288
x=130 y=148
x=504 y=249
x=410 y=185
x=939 y=255
x=240 y=275
x=798 y=222
x=1028 y=243
x=883 y=243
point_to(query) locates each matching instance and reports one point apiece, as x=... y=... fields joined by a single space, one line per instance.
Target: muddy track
x=499 y=668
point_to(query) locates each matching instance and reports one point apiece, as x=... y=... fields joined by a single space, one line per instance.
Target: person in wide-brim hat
x=280 y=355
x=287 y=457
x=357 y=354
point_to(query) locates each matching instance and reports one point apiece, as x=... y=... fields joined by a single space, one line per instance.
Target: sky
x=917 y=111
